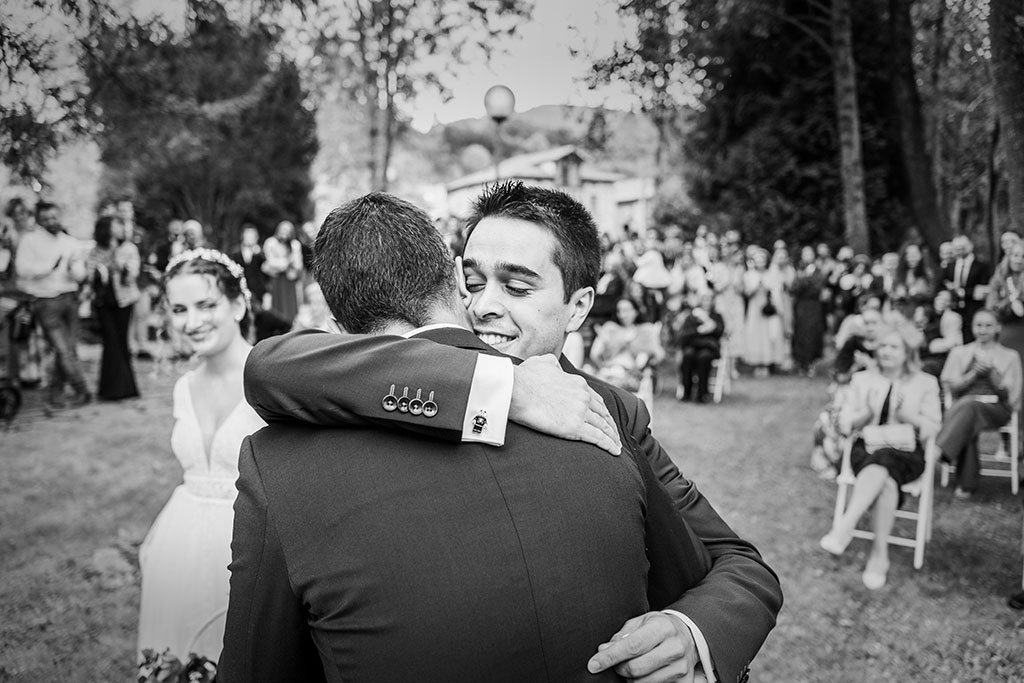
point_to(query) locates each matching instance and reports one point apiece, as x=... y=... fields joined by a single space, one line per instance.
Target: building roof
x=535 y=166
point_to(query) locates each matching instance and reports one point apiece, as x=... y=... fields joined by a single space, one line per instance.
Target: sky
x=536 y=64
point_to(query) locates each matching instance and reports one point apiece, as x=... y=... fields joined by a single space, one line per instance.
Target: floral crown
x=214 y=256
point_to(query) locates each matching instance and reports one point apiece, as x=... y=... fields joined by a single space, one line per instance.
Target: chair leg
x=1015 y=460
x=842 y=491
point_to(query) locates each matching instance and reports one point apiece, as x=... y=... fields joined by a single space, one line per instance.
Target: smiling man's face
x=517 y=298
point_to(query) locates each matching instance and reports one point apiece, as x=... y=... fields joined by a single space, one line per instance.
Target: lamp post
x=500 y=103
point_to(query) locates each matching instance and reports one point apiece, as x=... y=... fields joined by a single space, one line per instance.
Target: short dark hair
x=379 y=260
x=577 y=252
x=45 y=206
x=14 y=204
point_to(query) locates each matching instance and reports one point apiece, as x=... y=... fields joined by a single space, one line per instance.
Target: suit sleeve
x=736 y=604
x=338 y=380
x=266 y=638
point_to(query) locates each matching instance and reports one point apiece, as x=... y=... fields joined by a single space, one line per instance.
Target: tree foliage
x=382 y=53
x=763 y=147
x=213 y=125
x=43 y=100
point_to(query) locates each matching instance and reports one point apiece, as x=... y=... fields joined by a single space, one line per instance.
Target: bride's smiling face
x=202 y=314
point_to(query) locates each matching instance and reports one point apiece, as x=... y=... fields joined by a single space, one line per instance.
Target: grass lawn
x=79 y=490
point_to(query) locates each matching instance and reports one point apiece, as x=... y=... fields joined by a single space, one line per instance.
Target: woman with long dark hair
x=184 y=559
x=114 y=265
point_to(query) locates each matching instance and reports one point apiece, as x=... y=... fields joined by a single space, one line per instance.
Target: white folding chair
x=721 y=375
x=1003 y=463
x=922 y=488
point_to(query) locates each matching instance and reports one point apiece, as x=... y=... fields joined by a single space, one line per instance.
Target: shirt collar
x=427 y=328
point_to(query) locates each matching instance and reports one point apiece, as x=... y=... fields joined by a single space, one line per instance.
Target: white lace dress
x=184 y=558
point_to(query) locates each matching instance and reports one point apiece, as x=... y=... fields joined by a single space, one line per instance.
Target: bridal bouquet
x=164 y=667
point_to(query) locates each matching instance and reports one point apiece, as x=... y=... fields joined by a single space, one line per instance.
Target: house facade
x=616 y=201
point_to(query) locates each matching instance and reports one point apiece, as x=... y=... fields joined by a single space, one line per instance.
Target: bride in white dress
x=184 y=558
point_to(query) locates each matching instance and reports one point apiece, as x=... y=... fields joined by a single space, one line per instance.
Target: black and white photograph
x=511 y=341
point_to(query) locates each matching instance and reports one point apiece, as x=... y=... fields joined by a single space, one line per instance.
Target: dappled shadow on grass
x=79 y=492
x=946 y=622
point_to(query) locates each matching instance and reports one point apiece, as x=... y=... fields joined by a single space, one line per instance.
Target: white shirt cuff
x=702 y=645
x=490 y=396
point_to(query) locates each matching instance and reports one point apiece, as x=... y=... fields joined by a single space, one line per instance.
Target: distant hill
x=630 y=139
x=446 y=152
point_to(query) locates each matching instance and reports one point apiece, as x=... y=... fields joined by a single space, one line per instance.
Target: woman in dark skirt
x=898 y=393
x=808 y=312
x=114 y=266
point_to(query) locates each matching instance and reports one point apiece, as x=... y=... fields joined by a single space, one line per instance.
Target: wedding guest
x=914 y=281
x=249 y=255
x=730 y=303
x=139 y=325
x=764 y=330
x=858 y=352
x=625 y=347
x=314 y=313
x=1005 y=294
x=699 y=341
x=967 y=277
x=192 y=235
x=809 y=293
x=51 y=266
x=283 y=266
x=946 y=256
x=984 y=379
x=114 y=265
x=943 y=331
x=897 y=394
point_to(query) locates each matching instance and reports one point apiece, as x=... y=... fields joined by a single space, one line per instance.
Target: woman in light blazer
x=898 y=392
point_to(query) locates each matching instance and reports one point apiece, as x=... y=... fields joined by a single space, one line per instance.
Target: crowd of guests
x=52 y=283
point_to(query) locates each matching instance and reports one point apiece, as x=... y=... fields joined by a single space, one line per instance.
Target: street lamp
x=500 y=103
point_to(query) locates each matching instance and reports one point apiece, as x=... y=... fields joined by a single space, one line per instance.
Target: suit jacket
x=330 y=379
x=918 y=393
x=401 y=559
x=253 y=269
x=978 y=273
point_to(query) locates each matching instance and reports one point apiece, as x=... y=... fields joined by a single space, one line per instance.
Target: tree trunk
x=1006 y=31
x=935 y=123
x=992 y=180
x=931 y=222
x=848 y=120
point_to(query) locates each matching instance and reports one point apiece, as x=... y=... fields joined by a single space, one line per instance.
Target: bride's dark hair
x=225 y=272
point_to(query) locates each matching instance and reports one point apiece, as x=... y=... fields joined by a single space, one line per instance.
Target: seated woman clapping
x=984 y=379
x=898 y=393
x=623 y=349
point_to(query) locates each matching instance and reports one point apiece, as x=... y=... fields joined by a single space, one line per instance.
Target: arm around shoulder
x=336 y=380
x=736 y=604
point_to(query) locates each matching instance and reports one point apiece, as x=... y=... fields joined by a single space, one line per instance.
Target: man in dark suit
x=967 y=278
x=699 y=339
x=377 y=555
x=249 y=255
x=531 y=259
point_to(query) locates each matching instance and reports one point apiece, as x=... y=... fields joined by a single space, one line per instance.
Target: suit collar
x=452 y=335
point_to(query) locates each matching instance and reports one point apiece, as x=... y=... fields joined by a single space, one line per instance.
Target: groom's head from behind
x=383 y=266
